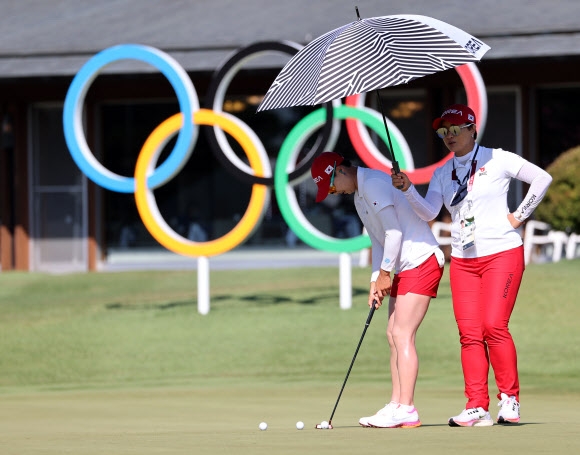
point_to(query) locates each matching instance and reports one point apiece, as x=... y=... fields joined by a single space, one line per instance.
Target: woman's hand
x=381 y=288
x=373 y=299
x=513 y=221
x=401 y=181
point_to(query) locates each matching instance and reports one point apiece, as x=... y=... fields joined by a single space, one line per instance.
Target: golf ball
x=324 y=425
x=263 y=426
x=300 y=425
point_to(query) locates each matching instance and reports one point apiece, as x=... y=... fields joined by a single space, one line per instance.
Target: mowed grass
x=123 y=363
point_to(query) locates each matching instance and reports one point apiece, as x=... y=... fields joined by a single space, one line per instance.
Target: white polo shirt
x=494 y=171
x=375 y=192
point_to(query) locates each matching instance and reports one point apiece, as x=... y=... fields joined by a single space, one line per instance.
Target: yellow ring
x=147 y=205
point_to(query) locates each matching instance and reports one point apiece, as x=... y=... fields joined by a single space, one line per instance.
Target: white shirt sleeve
x=385 y=258
x=539 y=181
x=376 y=256
x=378 y=194
x=428 y=207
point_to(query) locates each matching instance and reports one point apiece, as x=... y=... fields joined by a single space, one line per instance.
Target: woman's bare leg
x=404 y=320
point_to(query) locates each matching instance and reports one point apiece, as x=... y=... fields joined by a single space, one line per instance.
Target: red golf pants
x=484 y=292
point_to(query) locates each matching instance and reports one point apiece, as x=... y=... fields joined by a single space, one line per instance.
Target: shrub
x=561 y=205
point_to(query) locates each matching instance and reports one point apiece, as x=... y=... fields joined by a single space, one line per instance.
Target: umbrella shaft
x=396 y=168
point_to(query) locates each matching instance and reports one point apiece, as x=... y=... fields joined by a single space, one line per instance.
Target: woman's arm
x=539 y=181
x=426 y=208
x=386 y=258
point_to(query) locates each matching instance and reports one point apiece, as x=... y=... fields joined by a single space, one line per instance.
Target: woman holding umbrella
x=402 y=243
x=487 y=258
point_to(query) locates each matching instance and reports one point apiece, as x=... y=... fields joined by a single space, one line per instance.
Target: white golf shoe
x=386 y=411
x=510 y=410
x=401 y=417
x=474 y=417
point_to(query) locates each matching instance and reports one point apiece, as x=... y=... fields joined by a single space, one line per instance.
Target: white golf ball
x=300 y=425
x=263 y=426
x=324 y=425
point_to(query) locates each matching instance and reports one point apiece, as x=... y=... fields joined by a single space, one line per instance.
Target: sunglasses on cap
x=454 y=129
x=332 y=188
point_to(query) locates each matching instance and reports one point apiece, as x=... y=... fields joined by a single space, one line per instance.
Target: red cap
x=457 y=114
x=321 y=171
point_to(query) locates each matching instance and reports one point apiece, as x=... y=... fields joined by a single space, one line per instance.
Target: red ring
x=422 y=175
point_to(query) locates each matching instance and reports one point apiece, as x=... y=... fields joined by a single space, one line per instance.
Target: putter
x=369 y=318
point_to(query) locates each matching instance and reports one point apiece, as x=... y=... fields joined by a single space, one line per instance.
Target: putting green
x=122 y=363
x=224 y=420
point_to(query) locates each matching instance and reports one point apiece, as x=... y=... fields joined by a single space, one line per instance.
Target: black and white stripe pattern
x=370 y=54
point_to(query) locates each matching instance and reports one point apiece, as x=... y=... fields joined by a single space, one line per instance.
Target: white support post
x=345 y=278
x=202 y=285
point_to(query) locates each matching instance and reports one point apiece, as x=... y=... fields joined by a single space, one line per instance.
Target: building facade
x=54 y=218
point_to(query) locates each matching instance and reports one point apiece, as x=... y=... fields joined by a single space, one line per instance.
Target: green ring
x=285 y=196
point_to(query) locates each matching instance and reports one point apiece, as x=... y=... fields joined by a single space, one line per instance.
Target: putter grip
x=371 y=312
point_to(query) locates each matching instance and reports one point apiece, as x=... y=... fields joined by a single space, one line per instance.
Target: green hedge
x=561 y=205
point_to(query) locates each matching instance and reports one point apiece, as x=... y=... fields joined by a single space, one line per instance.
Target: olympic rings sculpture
x=258 y=173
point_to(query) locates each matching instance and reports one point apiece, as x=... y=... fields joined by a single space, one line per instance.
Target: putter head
x=320 y=427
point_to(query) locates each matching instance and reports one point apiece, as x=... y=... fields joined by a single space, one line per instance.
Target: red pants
x=484 y=292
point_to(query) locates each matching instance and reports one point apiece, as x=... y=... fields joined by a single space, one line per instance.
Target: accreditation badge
x=467 y=231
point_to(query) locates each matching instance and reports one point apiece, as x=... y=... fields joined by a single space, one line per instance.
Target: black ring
x=218 y=75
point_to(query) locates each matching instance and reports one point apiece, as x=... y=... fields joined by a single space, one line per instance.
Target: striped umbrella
x=369 y=54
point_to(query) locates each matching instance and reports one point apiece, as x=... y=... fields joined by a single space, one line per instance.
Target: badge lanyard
x=470 y=175
x=467 y=230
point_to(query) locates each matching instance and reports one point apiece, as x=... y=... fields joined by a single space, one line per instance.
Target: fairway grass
x=123 y=363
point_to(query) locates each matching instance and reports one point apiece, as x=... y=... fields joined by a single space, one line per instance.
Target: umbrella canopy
x=370 y=54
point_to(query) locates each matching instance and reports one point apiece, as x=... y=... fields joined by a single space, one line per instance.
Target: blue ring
x=73 y=109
